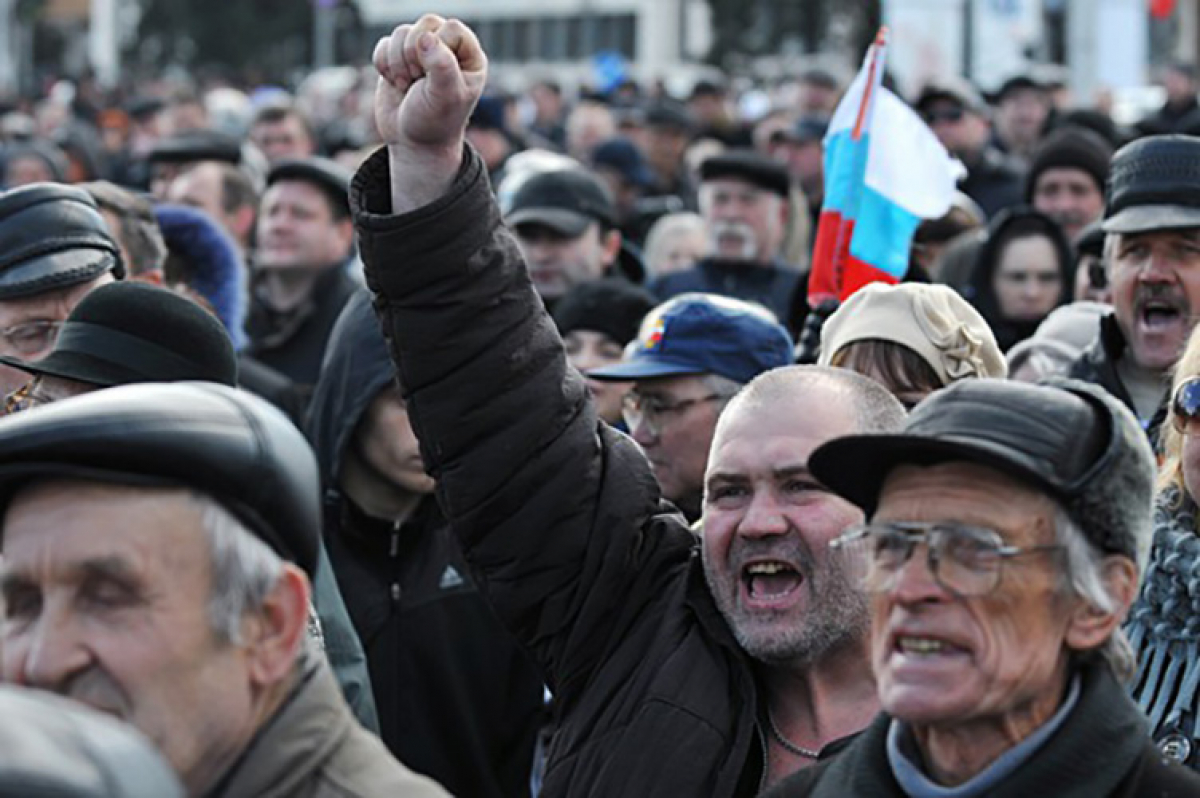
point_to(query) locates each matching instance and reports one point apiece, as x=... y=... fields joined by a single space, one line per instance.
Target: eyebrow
x=108 y=567
x=782 y=472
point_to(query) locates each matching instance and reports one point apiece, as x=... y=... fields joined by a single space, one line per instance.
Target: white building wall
x=668 y=36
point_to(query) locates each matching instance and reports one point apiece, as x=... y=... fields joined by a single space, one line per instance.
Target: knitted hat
x=1070 y=148
x=931 y=320
x=1154 y=184
x=611 y=306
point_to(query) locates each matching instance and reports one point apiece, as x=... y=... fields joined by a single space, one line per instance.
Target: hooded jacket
x=458 y=699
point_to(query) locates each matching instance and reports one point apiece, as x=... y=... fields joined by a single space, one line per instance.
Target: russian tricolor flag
x=885 y=171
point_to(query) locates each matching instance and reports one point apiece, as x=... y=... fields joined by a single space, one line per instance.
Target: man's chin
x=1158 y=352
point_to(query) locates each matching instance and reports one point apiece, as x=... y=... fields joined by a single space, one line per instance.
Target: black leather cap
x=748 y=166
x=1056 y=437
x=52 y=236
x=130 y=332
x=329 y=176
x=1154 y=184
x=197 y=145
x=51 y=747
x=220 y=441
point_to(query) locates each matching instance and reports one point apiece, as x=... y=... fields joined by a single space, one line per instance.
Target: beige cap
x=931 y=320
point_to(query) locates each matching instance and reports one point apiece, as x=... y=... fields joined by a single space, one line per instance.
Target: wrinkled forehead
x=963 y=492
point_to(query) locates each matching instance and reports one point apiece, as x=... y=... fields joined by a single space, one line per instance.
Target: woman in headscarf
x=1025 y=270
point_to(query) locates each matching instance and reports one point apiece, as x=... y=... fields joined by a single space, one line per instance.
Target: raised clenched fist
x=431 y=74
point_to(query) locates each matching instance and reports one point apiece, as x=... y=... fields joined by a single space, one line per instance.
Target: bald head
x=873 y=409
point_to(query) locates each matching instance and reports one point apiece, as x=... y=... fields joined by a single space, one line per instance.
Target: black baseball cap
x=565 y=200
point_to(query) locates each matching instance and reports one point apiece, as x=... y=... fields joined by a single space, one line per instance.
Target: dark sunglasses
x=1185 y=407
x=943 y=115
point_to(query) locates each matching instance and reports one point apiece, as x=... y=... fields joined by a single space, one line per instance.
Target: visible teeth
x=920 y=645
x=766 y=568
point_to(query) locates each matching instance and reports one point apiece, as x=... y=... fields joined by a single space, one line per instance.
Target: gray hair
x=723 y=387
x=1116 y=506
x=244 y=568
x=1083 y=577
x=874 y=407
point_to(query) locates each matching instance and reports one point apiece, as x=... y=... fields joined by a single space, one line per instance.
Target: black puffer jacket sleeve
x=558 y=514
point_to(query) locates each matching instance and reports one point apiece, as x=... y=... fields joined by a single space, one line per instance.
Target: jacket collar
x=1094 y=750
x=296 y=741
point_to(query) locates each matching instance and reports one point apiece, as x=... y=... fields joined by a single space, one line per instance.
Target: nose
x=914 y=582
x=763 y=517
x=642 y=433
x=1157 y=269
x=54 y=653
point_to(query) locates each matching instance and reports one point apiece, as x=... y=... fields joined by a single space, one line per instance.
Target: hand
x=431 y=74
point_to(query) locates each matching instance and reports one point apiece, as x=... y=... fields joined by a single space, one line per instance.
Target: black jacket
x=1098 y=364
x=457 y=698
x=1102 y=750
x=994 y=181
x=771 y=285
x=559 y=515
x=294 y=344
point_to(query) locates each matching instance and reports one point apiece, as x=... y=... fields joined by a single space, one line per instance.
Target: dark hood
x=1014 y=223
x=355 y=369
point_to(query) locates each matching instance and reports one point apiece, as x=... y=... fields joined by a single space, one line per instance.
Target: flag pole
x=846 y=224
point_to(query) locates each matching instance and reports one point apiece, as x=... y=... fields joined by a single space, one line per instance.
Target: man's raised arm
x=550 y=507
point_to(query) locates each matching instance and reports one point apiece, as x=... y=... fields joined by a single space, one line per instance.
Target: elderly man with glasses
x=692 y=355
x=54 y=248
x=1008 y=527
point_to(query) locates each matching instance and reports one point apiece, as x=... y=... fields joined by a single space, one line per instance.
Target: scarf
x=1164 y=623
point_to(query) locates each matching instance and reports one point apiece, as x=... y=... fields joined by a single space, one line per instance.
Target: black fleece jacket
x=458 y=699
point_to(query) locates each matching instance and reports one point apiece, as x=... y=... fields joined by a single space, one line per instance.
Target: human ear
x=1090 y=626
x=275 y=632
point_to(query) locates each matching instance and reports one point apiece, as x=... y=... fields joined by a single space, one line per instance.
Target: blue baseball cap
x=704 y=334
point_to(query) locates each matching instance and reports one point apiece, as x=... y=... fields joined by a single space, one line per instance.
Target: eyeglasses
x=965 y=560
x=943 y=115
x=32 y=337
x=651 y=411
x=1185 y=407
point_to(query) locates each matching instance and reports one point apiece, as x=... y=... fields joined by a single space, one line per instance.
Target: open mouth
x=1156 y=314
x=920 y=646
x=770 y=581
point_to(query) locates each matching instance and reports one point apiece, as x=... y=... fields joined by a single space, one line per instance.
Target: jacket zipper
x=393 y=553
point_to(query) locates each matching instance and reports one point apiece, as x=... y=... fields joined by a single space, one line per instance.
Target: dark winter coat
x=294 y=344
x=770 y=285
x=458 y=699
x=559 y=515
x=1102 y=750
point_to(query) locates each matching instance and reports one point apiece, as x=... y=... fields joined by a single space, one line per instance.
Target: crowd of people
x=424 y=439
